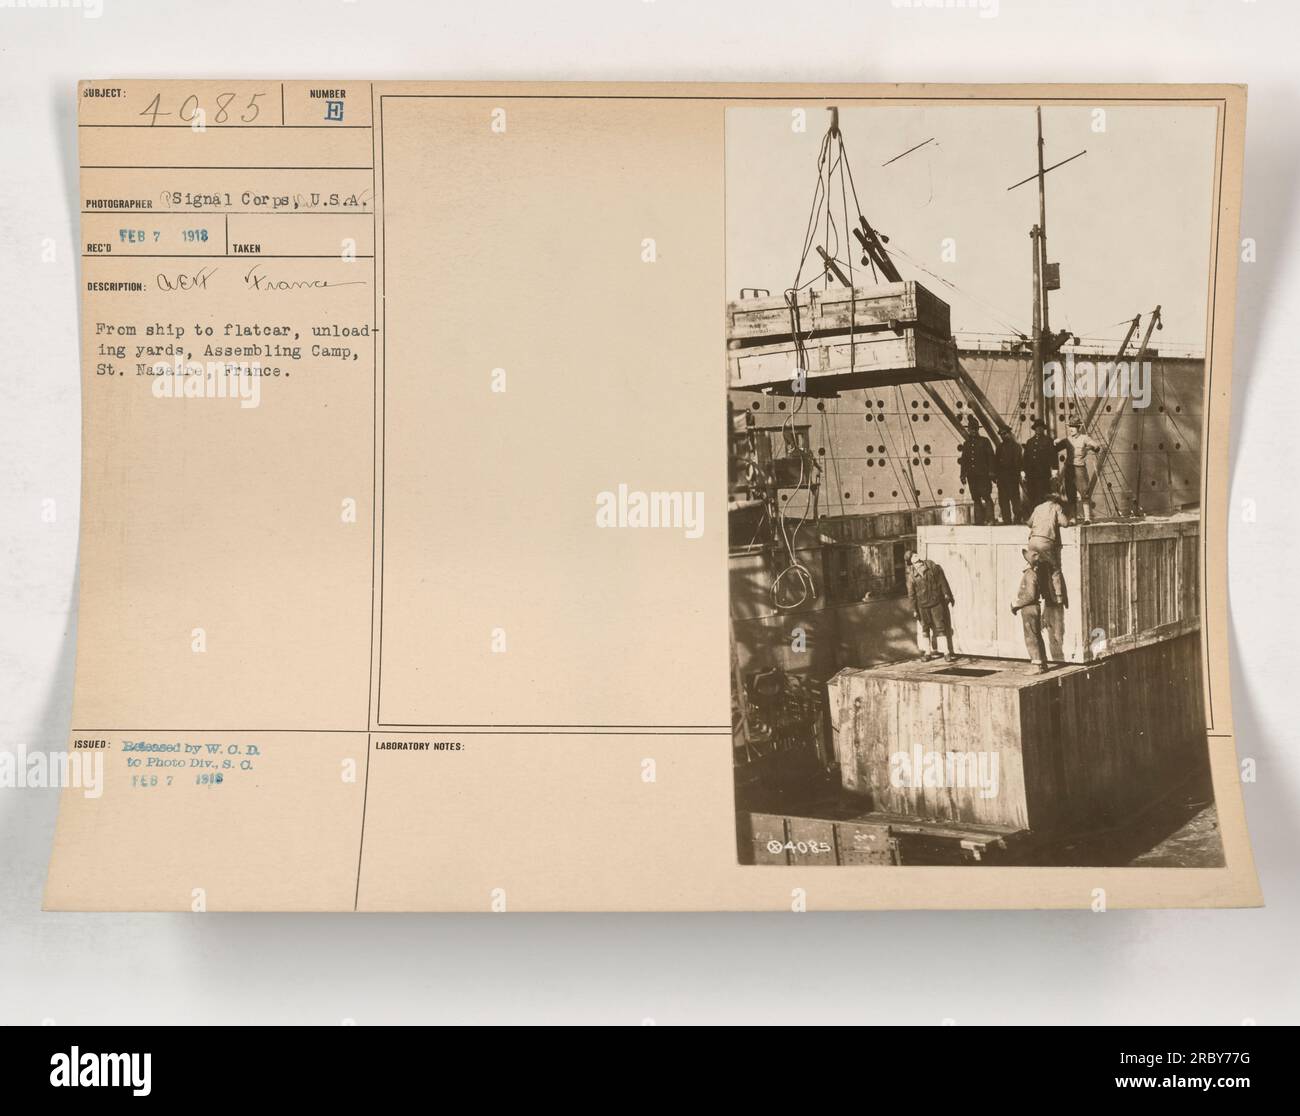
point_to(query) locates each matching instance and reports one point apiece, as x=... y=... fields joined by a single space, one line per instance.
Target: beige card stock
x=367 y=619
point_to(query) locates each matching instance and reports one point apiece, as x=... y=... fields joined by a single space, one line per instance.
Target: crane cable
x=829 y=160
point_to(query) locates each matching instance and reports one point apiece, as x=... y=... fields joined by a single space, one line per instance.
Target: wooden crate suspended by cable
x=895 y=333
x=833 y=310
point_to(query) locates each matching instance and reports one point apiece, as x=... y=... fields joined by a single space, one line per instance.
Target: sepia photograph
x=966 y=360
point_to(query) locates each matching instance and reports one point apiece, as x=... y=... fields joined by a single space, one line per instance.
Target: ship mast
x=1047 y=278
x=1043 y=285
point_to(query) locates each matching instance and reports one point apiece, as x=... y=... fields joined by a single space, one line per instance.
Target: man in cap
x=1045 y=523
x=931 y=598
x=1027 y=600
x=1039 y=461
x=976 y=463
x=1078 y=445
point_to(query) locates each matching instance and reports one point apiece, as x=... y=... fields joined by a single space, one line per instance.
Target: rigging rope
x=831 y=157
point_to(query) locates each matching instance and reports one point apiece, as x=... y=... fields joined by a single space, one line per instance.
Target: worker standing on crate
x=1080 y=444
x=1039 y=462
x=1031 y=592
x=931 y=599
x=1045 y=523
x=1006 y=470
x=976 y=463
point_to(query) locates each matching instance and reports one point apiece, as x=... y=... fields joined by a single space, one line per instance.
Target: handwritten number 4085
x=190 y=106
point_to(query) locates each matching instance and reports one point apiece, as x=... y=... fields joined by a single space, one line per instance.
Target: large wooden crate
x=842 y=363
x=868 y=526
x=893 y=333
x=875 y=568
x=1128 y=584
x=950 y=514
x=1078 y=749
x=837 y=310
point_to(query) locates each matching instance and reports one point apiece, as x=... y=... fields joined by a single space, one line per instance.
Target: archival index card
x=422 y=422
